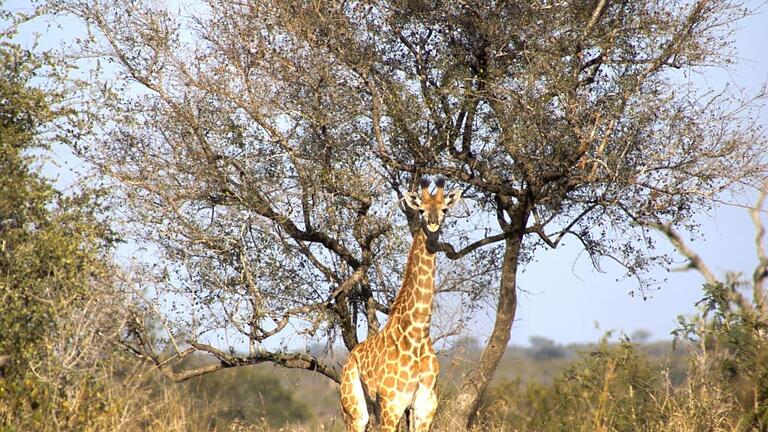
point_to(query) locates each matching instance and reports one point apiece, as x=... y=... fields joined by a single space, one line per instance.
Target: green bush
x=57 y=302
x=731 y=336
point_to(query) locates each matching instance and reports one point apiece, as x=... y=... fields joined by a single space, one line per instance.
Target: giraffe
x=397 y=367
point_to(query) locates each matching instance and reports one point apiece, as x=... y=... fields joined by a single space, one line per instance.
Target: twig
x=695 y=261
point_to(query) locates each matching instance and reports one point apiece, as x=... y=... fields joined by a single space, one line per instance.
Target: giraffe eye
x=445 y=210
x=421 y=211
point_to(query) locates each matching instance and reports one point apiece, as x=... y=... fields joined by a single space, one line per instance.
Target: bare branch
x=538 y=228
x=696 y=262
x=451 y=252
x=288 y=360
x=596 y=14
x=224 y=360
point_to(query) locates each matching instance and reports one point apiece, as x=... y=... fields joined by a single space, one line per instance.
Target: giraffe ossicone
x=397 y=368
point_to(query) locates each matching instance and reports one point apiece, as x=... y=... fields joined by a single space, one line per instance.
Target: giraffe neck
x=413 y=305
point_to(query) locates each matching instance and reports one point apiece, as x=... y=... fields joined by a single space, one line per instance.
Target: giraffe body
x=397 y=368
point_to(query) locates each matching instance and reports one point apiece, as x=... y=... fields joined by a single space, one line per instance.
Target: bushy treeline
x=54 y=271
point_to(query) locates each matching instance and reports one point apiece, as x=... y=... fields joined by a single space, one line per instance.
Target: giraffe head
x=432 y=207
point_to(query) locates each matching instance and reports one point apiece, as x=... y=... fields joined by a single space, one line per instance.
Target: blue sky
x=565 y=299
x=562 y=297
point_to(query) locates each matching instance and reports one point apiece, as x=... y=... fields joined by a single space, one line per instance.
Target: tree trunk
x=456 y=413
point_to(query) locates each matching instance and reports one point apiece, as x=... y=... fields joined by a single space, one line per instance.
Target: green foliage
x=55 y=264
x=23 y=109
x=616 y=388
x=53 y=251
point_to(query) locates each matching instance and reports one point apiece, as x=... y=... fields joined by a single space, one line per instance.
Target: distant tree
x=640 y=336
x=261 y=147
x=543 y=348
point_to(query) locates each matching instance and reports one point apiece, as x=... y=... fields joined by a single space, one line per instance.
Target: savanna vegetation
x=62 y=303
x=254 y=153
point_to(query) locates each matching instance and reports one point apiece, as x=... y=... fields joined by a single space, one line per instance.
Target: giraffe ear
x=452 y=198
x=412 y=200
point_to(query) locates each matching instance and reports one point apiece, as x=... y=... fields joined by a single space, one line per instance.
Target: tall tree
x=261 y=145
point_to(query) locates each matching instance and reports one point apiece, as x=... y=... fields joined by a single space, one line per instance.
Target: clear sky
x=562 y=297
x=565 y=299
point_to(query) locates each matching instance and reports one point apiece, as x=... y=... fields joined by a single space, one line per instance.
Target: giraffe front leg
x=425 y=398
x=424 y=407
x=353 y=407
x=393 y=405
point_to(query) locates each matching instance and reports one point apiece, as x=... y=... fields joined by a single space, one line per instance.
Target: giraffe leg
x=353 y=406
x=393 y=406
x=425 y=398
x=424 y=407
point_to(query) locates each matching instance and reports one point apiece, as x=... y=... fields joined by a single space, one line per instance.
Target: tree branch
x=224 y=360
x=539 y=228
x=695 y=261
x=596 y=14
x=451 y=252
x=288 y=360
